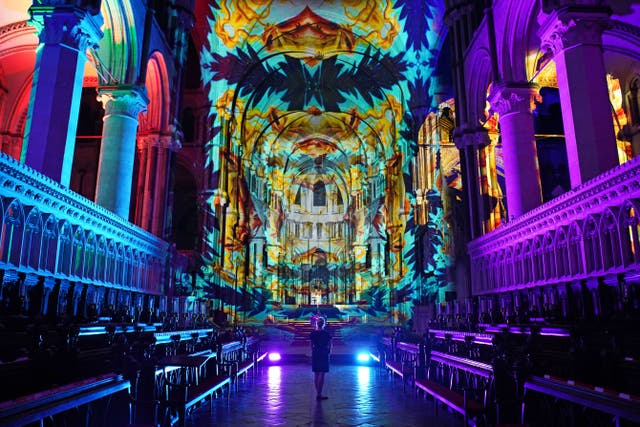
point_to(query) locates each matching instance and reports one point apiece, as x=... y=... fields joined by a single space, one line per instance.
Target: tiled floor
x=358 y=396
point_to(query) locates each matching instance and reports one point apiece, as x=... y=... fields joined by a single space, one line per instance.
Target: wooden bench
x=57 y=401
x=192 y=383
x=240 y=357
x=447 y=369
x=403 y=360
x=618 y=406
x=183 y=397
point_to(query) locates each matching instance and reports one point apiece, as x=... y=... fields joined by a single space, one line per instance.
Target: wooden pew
x=45 y=405
x=619 y=406
x=451 y=380
x=187 y=387
x=403 y=362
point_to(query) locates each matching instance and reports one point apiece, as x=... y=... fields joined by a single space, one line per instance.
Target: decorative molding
x=566 y=28
x=507 y=99
x=160 y=139
x=67 y=25
x=35 y=189
x=126 y=100
x=15 y=27
x=623 y=27
x=478 y=138
x=511 y=256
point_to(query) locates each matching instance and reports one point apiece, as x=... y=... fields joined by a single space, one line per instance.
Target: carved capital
x=158 y=140
x=125 y=100
x=66 y=24
x=472 y=138
x=568 y=27
x=508 y=99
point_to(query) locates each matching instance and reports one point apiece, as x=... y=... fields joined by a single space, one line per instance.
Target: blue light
x=363 y=357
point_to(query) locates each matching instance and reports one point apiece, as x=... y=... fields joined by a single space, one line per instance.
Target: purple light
x=274 y=357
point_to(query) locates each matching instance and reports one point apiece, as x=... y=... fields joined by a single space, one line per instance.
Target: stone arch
x=549 y=255
x=13 y=223
x=65 y=248
x=90 y=256
x=119 y=265
x=77 y=253
x=157 y=117
x=101 y=259
x=575 y=237
x=561 y=245
x=110 y=262
x=18 y=43
x=32 y=240
x=128 y=268
x=519 y=37
x=628 y=220
x=117 y=59
x=49 y=244
x=591 y=242
x=478 y=79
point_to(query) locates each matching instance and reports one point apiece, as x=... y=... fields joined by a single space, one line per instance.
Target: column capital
x=476 y=137
x=65 y=23
x=123 y=100
x=168 y=139
x=158 y=140
x=570 y=26
x=513 y=98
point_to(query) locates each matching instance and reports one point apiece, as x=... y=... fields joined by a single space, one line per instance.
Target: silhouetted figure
x=320 y=351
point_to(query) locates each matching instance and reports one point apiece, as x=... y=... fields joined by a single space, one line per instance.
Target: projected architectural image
x=319 y=111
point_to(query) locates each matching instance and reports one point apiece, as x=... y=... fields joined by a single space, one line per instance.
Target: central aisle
x=358 y=396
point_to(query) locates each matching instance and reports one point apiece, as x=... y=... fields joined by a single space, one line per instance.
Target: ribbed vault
x=316 y=108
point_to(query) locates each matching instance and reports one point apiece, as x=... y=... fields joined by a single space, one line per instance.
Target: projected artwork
x=316 y=111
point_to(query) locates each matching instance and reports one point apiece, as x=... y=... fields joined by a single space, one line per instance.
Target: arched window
x=319 y=194
x=298 y=196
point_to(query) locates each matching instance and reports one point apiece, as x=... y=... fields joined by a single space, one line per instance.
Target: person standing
x=320 y=351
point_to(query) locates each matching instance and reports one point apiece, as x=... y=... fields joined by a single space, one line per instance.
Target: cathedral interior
x=441 y=171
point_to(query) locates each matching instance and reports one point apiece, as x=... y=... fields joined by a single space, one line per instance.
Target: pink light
x=274 y=357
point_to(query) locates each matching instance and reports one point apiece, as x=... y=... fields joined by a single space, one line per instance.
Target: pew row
x=197 y=378
x=402 y=362
x=619 y=406
x=461 y=384
x=46 y=405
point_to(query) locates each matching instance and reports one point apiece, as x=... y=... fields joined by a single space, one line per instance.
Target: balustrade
x=587 y=232
x=52 y=234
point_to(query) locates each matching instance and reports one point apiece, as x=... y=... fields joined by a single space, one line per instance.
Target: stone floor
x=358 y=396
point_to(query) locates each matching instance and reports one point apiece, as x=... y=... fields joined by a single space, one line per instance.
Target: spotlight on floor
x=274 y=357
x=363 y=358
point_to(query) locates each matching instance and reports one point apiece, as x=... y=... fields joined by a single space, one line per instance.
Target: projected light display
x=317 y=111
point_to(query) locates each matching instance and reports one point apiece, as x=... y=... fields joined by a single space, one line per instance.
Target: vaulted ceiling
x=329 y=91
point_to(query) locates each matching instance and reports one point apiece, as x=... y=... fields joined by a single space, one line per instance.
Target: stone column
x=574 y=36
x=151 y=179
x=513 y=104
x=65 y=33
x=469 y=142
x=167 y=145
x=122 y=105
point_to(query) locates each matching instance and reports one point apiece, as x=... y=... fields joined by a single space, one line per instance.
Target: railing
x=473 y=366
x=589 y=231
